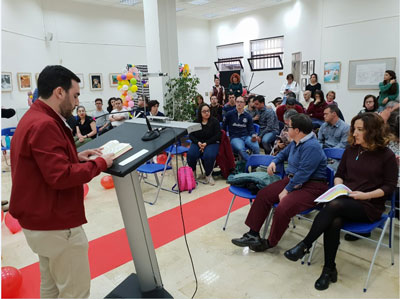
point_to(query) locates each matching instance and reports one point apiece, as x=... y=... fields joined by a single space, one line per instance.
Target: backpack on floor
x=186 y=179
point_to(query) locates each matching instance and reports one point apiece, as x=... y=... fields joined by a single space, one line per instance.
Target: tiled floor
x=223 y=270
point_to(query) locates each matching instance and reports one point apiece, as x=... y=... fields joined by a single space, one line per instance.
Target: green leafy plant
x=180 y=96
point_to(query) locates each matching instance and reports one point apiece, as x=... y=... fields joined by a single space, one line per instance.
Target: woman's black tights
x=329 y=222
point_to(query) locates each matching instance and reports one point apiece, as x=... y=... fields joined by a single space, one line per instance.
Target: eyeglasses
x=205 y=111
x=239 y=102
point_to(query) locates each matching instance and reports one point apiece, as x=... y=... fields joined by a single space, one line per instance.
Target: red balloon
x=244 y=92
x=12 y=223
x=2 y=215
x=11 y=281
x=162 y=158
x=85 y=190
x=107 y=182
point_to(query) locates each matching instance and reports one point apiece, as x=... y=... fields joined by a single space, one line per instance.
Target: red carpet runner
x=104 y=255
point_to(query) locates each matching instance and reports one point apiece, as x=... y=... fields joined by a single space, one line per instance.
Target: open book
x=114 y=147
x=333 y=192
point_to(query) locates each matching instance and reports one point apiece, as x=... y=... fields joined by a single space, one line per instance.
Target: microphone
x=150 y=134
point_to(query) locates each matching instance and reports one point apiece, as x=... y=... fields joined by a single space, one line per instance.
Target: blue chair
x=254 y=161
x=334 y=153
x=177 y=149
x=7 y=133
x=154 y=168
x=256 y=128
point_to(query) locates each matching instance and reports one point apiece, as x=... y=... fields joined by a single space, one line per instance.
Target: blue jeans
x=208 y=156
x=267 y=141
x=239 y=145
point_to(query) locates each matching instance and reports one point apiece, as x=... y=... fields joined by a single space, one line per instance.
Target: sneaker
x=210 y=180
x=350 y=238
x=247 y=240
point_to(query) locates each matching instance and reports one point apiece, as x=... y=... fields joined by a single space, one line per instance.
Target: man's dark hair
x=291 y=101
x=152 y=103
x=302 y=122
x=290 y=76
x=334 y=108
x=118 y=99
x=260 y=99
x=291 y=94
x=231 y=93
x=54 y=76
x=98 y=100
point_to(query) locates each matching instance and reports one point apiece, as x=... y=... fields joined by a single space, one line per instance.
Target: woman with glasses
x=370 y=104
x=205 y=143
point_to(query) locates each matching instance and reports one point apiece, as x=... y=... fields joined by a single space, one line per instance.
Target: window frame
x=266 y=57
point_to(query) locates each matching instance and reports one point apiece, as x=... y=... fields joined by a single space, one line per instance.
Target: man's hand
x=358 y=195
x=84 y=155
x=283 y=194
x=81 y=139
x=253 y=138
x=109 y=159
x=257 y=117
x=271 y=168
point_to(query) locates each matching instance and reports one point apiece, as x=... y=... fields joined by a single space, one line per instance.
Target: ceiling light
x=236 y=9
x=199 y=2
x=129 y=2
x=179 y=9
x=211 y=15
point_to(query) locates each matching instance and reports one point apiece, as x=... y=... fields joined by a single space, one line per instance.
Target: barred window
x=230 y=57
x=266 y=54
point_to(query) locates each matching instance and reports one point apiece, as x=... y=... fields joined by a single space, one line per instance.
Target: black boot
x=328 y=275
x=296 y=252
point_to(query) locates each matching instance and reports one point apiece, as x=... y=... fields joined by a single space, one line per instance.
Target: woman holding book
x=368 y=168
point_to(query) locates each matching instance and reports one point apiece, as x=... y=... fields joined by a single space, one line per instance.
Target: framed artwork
x=303 y=84
x=311 y=67
x=331 y=72
x=113 y=79
x=96 y=81
x=366 y=74
x=6 y=82
x=304 y=68
x=24 y=81
x=82 y=83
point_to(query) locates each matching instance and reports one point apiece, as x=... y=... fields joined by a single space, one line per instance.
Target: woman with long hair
x=111 y=103
x=235 y=86
x=370 y=104
x=313 y=85
x=369 y=168
x=85 y=127
x=316 y=109
x=205 y=143
x=388 y=89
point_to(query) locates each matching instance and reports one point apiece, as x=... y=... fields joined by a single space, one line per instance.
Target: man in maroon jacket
x=290 y=104
x=47 y=185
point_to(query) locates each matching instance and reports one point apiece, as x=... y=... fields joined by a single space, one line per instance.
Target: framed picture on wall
x=82 y=83
x=24 y=81
x=331 y=72
x=303 y=84
x=96 y=81
x=311 y=67
x=304 y=68
x=113 y=79
x=6 y=81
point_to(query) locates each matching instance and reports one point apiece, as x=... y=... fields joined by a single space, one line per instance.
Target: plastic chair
x=7 y=133
x=177 y=149
x=334 y=153
x=356 y=228
x=254 y=161
x=256 y=128
x=154 y=168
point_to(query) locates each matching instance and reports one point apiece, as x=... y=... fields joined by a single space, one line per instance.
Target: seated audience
x=111 y=103
x=101 y=116
x=313 y=85
x=289 y=86
x=239 y=125
x=293 y=95
x=388 y=89
x=330 y=98
x=153 y=109
x=219 y=91
x=368 y=168
x=334 y=131
x=85 y=127
x=394 y=145
x=142 y=102
x=290 y=104
x=295 y=193
x=216 y=108
x=370 y=104
x=251 y=109
x=283 y=139
x=120 y=116
x=231 y=105
x=307 y=99
x=269 y=125
x=205 y=143
x=275 y=103
x=235 y=86
x=389 y=108
x=198 y=100
x=316 y=109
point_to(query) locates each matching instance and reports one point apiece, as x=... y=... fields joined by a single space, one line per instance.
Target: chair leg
x=229 y=212
x=375 y=254
x=311 y=253
x=391 y=230
x=267 y=222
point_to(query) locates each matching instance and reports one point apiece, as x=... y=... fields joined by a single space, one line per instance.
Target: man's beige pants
x=64 y=262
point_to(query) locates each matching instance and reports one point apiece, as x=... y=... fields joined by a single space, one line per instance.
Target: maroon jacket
x=225 y=158
x=47 y=177
x=317 y=111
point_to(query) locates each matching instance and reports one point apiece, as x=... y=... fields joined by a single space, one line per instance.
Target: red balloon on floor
x=85 y=190
x=12 y=223
x=11 y=280
x=162 y=158
x=107 y=182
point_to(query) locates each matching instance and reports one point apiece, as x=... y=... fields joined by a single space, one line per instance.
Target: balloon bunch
x=184 y=70
x=127 y=84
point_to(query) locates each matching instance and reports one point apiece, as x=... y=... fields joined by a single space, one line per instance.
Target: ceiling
x=212 y=9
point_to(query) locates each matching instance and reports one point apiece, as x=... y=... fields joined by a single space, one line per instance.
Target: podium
x=146 y=283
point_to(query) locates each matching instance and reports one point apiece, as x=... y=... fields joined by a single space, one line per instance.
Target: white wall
x=323 y=31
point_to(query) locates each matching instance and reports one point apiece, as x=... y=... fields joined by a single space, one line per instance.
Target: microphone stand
x=150 y=134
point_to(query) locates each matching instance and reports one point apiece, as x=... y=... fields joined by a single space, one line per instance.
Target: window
x=266 y=54
x=230 y=57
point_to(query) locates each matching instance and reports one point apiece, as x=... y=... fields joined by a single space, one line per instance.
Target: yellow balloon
x=119 y=87
x=122 y=97
x=133 y=88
